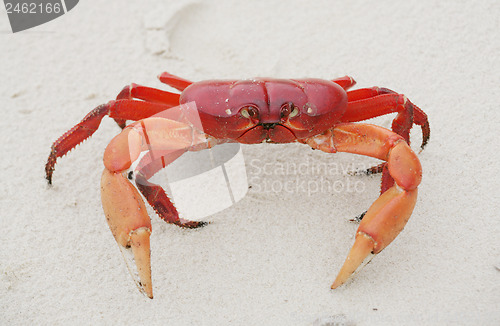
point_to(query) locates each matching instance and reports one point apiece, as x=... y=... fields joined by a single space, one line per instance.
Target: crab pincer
x=388 y=215
x=129 y=222
x=123 y=206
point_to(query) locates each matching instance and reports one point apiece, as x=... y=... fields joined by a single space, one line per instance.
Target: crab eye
x=249 y=112
x=289 y=110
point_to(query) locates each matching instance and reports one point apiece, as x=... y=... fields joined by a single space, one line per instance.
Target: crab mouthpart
x=268 y=126
x=267 y=133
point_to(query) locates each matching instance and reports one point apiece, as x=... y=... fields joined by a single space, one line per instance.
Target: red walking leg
x=155 y=194
x=148 y=94
x=367 y=103
x=174 y=81
x=120 y=109
x=345 y=82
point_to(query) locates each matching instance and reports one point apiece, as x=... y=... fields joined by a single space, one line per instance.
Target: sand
x=270 y=258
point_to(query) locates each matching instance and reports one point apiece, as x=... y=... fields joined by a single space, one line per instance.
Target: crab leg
x=148 y=94
x=367 y=103
x=388 y=215
x=134 y=91
x=174 y=81
x=155 y=194
x=119 y=109
x=124 y=209
x=345 y=82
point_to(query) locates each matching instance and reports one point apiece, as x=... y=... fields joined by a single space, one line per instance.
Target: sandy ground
x=269 y=259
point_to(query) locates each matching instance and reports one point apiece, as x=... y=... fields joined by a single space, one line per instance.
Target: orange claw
x=388 y=215
x=123 y=205
x=129 y=222
x=381 y=224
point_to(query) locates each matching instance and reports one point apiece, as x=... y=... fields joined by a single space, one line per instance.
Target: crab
x=316 y=112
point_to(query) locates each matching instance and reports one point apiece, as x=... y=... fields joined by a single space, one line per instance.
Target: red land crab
x=319 y=113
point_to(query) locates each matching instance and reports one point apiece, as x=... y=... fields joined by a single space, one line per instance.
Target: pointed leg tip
x=48 y=177
x=190 y=224
x=203 y=224
x=358 y=218
x=424 y=144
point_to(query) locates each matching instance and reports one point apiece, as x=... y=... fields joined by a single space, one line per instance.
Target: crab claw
x=130 y=224
x=382 y=223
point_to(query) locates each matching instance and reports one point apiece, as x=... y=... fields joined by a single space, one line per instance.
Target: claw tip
x=147 y=290
x=362 y=247
x=139 y=242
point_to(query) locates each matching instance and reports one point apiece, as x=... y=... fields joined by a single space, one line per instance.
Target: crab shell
x=265 y=109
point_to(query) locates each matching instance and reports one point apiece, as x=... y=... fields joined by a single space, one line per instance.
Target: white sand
x=270 y=259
